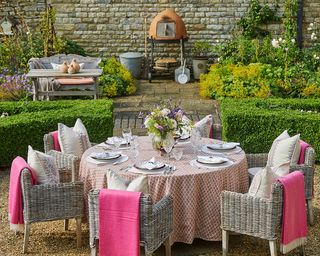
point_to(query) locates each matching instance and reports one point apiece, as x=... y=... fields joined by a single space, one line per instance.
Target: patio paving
x=127 y=109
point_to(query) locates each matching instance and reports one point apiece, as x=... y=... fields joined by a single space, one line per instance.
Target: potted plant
x=200 y=51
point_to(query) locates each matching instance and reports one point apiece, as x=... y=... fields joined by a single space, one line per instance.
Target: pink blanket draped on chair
x=294 y=218
x=119 y=223
x=15 y=203
x=56 y=144
x=303 y=147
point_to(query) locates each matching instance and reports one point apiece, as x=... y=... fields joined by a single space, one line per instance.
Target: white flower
x=218 y=59
x=311 y=24
x=293 y=40
x=287 y=49
x=275 y=43
x=165 y=112
x=147 y=122
x=217 y=41
x=280 y=39
x=314 y=56
x=317 y=58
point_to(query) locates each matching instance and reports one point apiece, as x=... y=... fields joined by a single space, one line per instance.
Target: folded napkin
x=148 y=172
x=228 y=145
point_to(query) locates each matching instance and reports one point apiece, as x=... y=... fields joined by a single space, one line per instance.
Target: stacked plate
x=123 y=142
x=150 y=167
x=229 y=147
x=107 y=157
x=211 y=162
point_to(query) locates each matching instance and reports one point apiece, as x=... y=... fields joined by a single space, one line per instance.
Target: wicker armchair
x=155 y=223
x=308 y=168
x=69 y=162
x=48 y=202
x=258 y=217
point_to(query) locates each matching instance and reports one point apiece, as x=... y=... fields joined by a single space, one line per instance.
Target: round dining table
x=195 y=189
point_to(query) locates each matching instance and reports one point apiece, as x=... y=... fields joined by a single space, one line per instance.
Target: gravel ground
x=49 y=238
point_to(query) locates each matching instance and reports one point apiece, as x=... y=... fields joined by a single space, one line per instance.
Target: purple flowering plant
x=14 y=86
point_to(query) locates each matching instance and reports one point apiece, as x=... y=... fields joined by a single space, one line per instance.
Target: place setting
x=211 y=162
x=107 y=157
x=226 y=148
x=151 y=167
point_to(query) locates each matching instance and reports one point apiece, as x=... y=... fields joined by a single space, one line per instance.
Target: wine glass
x=127 y=134
x=195 y=139
x=177 y=153
x=117 y=142
x=167 y=145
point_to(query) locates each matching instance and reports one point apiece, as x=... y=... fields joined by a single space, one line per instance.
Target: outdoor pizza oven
x=167 y=25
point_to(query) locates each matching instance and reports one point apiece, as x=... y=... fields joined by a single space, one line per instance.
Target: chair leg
x=273 y=247
x=167 y=246
x=66 y=225
x=225 y=242
x=26 y=237
x=79 y=235
x=310 y=212
x=302 y=251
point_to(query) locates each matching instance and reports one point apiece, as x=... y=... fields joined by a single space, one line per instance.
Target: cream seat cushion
x=44 y=166
x=140 y=184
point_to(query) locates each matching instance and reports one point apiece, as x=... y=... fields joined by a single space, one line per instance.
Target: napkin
x=151 y=164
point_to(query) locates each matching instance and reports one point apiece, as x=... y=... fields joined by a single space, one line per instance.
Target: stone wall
x=117 y=26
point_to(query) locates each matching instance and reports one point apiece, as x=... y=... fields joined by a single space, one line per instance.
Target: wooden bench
x=49 y=82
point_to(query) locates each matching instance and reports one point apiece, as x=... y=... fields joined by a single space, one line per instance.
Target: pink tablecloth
x=195 y=192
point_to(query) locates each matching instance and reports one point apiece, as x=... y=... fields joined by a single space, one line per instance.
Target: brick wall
x=117 y=26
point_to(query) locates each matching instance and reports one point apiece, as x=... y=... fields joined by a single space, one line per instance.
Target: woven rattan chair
x=48 y=202
x=155 y=223
x=308 y=168
x=66 y=161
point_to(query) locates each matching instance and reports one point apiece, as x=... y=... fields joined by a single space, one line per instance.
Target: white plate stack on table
x=224 y=148
x=107 y=157
x=211 y=162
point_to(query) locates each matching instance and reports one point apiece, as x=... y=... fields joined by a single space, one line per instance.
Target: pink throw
x=119 y=223
x=15 y=204
x=294 y=217
x=303 y=146
x=56 y=144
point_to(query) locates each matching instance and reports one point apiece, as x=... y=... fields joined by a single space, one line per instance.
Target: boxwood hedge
x=28 y=122
x=255 y=123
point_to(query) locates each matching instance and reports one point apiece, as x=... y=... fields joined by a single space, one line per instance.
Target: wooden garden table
x=34 y=74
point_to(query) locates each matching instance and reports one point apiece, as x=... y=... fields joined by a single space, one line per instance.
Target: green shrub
x=115 y=80
x=256 y=123
x=27 y=123
x=236 y=81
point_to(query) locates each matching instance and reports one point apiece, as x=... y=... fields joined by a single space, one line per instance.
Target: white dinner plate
x=110 y=142
x=211 y=159
x=224 y=146
x=147 y=165
x=195 y=163
x=105 y=155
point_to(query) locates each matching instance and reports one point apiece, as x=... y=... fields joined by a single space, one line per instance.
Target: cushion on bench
x=75 y=81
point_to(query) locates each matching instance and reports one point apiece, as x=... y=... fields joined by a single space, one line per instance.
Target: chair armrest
x=93 y=203
x=160 y=226
x=259 y=217
x=308 y=173
x=51 y=201
x=257 y=160
x=70 y=162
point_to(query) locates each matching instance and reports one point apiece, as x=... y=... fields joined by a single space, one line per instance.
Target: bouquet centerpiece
x=166 y=121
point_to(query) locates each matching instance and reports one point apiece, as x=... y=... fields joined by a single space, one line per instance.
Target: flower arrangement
x=165 y=121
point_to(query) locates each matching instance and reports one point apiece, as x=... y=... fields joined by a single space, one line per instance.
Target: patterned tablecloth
x=195 y=191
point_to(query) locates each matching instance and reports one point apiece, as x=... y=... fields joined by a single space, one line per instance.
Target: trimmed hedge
x=255 y=123
x=28 y=122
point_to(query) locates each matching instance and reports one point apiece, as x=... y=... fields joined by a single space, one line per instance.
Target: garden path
x=127 y=109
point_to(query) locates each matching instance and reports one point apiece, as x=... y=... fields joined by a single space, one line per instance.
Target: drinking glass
x=127 y=134
x=177 y=153
x=116 y=142
x=167 y=145
x=195 y=139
